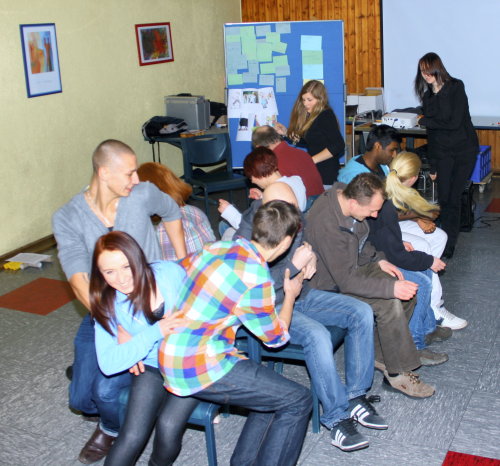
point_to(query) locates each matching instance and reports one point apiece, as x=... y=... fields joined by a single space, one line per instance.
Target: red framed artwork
x=154 y=43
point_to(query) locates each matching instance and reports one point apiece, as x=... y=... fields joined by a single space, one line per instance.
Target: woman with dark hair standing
x=452 y=140
x=127 y=294
x=314 y=125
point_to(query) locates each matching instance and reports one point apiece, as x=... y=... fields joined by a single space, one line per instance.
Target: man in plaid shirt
x=228 y=284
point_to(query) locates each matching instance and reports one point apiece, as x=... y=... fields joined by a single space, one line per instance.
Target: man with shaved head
x=315 y=310
x=114 y=200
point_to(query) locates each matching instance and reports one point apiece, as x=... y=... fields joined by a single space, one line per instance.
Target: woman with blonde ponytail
x=416 y=266
x=418 y=227
x=403 y=170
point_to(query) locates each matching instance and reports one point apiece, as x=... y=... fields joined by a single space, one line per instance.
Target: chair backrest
x=211 y=149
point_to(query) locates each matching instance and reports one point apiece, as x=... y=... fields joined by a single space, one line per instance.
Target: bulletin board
x=267 y=65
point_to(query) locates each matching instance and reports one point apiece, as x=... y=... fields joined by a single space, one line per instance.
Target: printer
x=400 y=120
x=193 y=109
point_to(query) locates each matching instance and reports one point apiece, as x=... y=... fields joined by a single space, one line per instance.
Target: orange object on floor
x=494 y=206
x=41 y=296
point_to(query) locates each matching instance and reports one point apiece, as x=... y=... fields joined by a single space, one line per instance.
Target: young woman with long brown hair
x=314 y=125
x=129 y=296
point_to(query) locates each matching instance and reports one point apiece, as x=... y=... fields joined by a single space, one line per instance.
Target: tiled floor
x=37 y=428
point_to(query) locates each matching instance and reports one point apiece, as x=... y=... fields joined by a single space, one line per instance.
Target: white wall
x=464 y=33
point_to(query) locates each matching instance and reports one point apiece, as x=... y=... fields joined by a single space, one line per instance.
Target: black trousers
x=453 y=171
x=149 y=404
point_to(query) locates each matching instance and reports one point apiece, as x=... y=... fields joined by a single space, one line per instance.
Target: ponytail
x=405 y=166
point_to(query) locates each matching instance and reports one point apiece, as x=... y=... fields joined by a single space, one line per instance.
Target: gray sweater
x=76 y=228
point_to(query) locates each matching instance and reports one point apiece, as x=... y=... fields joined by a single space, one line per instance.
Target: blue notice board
x=268 y=63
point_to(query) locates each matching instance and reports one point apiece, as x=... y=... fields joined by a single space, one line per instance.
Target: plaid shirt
x=227 y=284
x=197 y=232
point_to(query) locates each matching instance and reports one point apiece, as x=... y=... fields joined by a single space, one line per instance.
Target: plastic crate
x=483 y=164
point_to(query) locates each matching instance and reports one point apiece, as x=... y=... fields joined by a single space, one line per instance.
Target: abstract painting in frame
x=154 y=43
x=41 y=59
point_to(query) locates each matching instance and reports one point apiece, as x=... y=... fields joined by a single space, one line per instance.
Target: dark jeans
x=278 y=418
x=452 y=173
x=90 y=391
x=150 y=403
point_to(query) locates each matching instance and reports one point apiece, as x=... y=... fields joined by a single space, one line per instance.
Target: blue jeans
x=90 y=391
x=310 y=202
x=422 y=320
x=279 y=413
x=310 y=316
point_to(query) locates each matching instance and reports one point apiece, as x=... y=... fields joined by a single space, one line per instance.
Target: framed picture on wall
x=154 y=43
x=41 y=59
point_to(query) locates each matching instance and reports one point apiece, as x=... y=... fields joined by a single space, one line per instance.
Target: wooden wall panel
x=362 y=37
x=361 y=31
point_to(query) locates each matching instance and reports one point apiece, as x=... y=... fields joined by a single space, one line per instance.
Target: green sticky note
x=273 y=37
x=264 y=51
x=232 y=38
x=233 y=79
x=249 y=47
x=247 y=31
x=267 y=68
x=280 y=60
x=279 y=47
x=312 y=57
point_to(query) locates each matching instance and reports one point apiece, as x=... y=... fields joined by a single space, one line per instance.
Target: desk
x=176 y=141
x=488 y=129
x=409 y=133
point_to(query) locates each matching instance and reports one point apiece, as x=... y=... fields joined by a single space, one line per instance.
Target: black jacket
x=324 y=133
x=449 y=126
x=385 y=235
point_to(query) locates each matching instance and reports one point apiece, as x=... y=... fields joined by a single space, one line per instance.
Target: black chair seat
x=256 y=351
x=210 y=151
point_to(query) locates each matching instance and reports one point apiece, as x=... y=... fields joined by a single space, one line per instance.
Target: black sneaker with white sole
x=346 y=437
x=362 y=411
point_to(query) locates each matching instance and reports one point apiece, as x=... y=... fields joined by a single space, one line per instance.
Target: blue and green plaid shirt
x=228 y=284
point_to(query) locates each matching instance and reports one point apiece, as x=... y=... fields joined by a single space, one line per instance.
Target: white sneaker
x=449 y=320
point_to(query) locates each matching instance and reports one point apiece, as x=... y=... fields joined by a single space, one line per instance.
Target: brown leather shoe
x=409 y=384
x=96 y=448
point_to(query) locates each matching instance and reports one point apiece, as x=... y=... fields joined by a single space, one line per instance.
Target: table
x=409 y=133
x=176 y=141
x=481 y=123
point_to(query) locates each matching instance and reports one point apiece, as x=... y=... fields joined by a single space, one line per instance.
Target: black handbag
x=164 y=126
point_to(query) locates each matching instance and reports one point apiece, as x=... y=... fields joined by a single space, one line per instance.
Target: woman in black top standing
x=452 y=140
x=314 y=125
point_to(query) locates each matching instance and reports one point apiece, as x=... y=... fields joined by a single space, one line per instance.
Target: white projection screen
x=464 y=33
